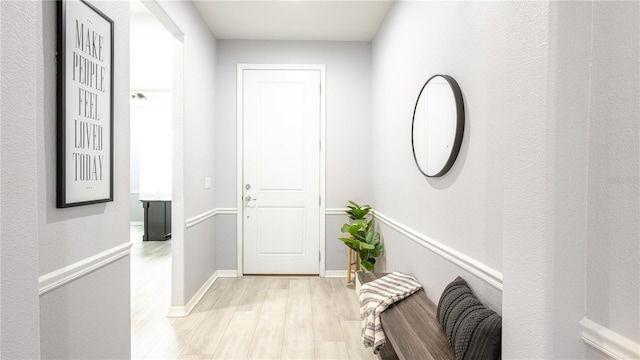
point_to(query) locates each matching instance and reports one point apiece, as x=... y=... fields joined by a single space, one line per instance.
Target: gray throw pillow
x=474 y=331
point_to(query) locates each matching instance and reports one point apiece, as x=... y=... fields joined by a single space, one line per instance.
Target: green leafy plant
x=356 y=211
x=360 y=235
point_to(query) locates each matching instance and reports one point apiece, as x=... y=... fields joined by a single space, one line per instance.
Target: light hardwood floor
x=241 y=318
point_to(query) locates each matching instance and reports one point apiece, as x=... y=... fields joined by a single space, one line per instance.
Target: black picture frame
x=85 y=104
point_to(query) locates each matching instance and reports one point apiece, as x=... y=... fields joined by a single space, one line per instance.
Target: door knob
x=249 y=198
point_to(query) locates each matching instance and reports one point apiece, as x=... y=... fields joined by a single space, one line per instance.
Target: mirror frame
x=460 y=118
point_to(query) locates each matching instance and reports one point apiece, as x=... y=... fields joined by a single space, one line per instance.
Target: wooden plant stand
x=353 y=264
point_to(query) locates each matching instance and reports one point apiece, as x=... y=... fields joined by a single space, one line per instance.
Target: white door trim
x=240 y=154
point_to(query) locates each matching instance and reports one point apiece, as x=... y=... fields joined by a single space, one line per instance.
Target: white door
x=281 y=171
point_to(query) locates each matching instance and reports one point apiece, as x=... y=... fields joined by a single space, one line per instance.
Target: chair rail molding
x=608 y=341
x=335 y=211
x=208 y=215
x=482 y=271
x=67 y=274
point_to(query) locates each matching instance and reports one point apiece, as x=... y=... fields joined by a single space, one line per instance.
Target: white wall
x=69 y=236
x=198 y=246
x=348 y=128
x=20 y=71
x=151 y=53
x=613 y=250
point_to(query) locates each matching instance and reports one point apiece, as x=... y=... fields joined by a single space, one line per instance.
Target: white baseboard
x=182 y=311
x=335 y=273
x=227 y=273
x=609 y=342
x=137 y=223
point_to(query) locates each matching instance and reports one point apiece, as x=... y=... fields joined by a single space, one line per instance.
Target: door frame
x=240 y=153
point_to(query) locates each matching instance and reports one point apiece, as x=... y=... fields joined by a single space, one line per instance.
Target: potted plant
x=360 y=235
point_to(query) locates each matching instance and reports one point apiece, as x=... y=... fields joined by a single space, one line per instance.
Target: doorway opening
x=156 y=121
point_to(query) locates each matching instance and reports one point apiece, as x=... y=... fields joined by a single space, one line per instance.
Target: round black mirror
x=438 y=125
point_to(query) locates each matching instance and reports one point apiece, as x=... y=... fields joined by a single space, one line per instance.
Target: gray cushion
x=473 y=330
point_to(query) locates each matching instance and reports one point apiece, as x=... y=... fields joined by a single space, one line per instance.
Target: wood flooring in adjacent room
x=241 y=318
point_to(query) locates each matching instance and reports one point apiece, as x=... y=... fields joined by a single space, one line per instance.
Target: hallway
x=540 y=212
x=241 y=318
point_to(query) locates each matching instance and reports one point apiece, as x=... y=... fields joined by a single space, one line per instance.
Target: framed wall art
x=84 y=104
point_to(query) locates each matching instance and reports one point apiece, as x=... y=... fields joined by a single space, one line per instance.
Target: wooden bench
x=412 y=328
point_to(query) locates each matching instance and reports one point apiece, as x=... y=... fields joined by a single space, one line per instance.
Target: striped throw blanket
x=375 y=297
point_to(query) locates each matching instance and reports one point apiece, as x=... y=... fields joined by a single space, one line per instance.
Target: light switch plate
x=207 y=183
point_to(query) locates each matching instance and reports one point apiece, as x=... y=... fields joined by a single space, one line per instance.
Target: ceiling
x=136 y=7
x=331 y=20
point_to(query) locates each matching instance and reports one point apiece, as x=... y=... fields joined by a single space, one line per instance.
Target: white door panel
x=281 y=215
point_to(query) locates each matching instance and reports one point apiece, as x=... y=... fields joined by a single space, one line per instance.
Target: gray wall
x=194 y=252
x=348 y=128
x=613 y=250
x=463 y=209
x=567 y=135
x=21 y=74
x=545 y=190
x=546 y=186
x=226 y=247
x=87 y=318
